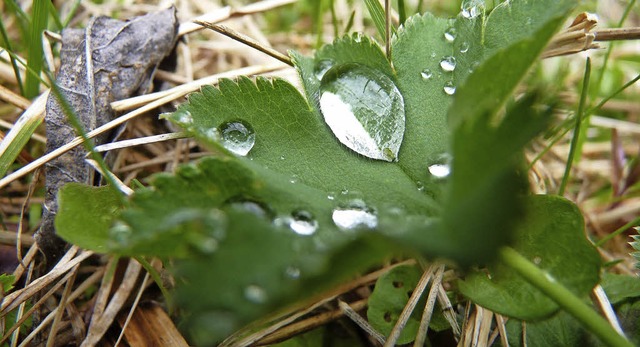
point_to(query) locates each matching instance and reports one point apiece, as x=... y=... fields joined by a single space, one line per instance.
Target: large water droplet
x=364 y=109
x=426 y=74
x=255 y=294
x=238 y=137
x=322 y=67
x=449 y=88
x=356 y=215
x=303 y=223
x=450 y=34
x=448 y=63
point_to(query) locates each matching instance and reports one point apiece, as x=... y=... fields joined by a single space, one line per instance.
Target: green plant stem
x=563 y=297
x=618 y=231
x=402 y=11
x=156 y=278
x=576 y=135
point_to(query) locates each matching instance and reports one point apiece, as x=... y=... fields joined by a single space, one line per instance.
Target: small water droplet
x=448 y=63
x=449 y=88
x=184 y=118
x=303 y=223
x=344 y=191
x=322 y=67
x=120 y=232
x=426 y=74
x=440 y=167
x=471 y=8
x=331 y=197
x=356 y=215
x=464 y=47
x=207 y=245
x=282 y=157
x=255 y=294
x=450 y=34
x=433 y=54
x=420 y=186
x=364 y=109
x=292 y=272
x=238 y=137
x=537 y=260
x=293 y=179
x=254 y=207
x=212 y=134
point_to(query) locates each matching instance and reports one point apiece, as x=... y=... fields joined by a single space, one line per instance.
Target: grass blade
x=21 y=132
x=35 y=59
x=377 y=15
x=576 y=135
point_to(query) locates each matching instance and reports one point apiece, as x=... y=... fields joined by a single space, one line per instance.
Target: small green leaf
x=7 y=281
x=551 y=236
x=86 y=213
x=620 y=287
x=390 y=296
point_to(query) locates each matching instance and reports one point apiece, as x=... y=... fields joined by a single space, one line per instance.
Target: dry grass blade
x=151 y=326
x=100 y=323
x=64 y=265
x=74 y=295
x=361 y=322
x=607 y=309
x=51 y=339
x=309 y=324
x=224 y=30
x=408 y=309
x=14 y=99
x=428 y=308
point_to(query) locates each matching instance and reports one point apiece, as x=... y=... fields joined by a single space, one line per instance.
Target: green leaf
x=552 y=236
x=388 y=299
x=7 y=281
x=560 y=330
x=85 y=214
x=620 y=287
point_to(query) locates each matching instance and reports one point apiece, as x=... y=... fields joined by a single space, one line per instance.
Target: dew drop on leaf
x=254 y=207
x=450 y=34
x=292 y=272
x=471 y=8
x=356 y=215
x=184 y=118
x=303 y=223
x=238 y=137
x=364 y=109
x=255 y=294
x=440 y=167
x=426 y=74
x=120 y=232
x=464 y=47
x=449 y=88
x=448 y=63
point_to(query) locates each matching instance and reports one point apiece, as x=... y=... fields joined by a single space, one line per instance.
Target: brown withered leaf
x=109 y=60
